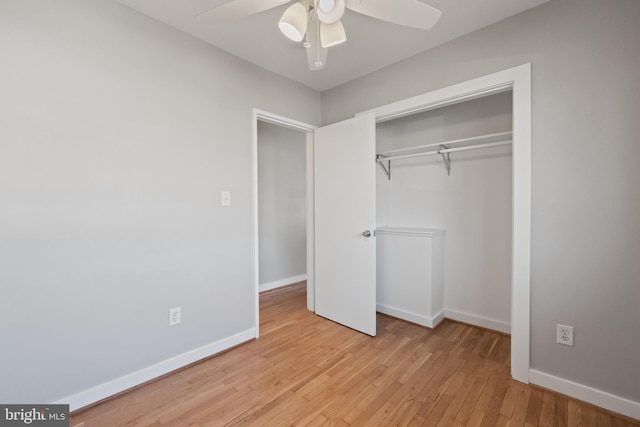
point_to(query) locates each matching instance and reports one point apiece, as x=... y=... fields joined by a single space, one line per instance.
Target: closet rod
x=455 y=141
x=381 y=158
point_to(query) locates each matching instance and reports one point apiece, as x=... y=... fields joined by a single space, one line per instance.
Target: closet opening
x=517 y=81
x=444 y=214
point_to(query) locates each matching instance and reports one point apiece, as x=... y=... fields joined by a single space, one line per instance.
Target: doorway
x=283 y=213
x=282 y=207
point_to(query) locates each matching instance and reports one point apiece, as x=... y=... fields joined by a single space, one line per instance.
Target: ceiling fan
x=317 y=23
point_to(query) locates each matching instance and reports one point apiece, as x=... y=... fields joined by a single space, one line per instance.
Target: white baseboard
x=483 y=322
x=429 y=322
x=118 y=385
x=587 y=394
x=282 y=282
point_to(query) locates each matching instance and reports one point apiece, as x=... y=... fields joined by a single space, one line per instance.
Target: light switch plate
x=226 y=198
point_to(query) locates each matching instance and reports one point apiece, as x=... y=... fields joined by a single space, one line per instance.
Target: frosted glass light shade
x=293 y=23
x=333 y=14
x=326 y=5
x=332 y=34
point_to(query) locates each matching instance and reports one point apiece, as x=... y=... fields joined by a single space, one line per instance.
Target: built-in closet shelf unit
x=410 y=274
x=443 y=149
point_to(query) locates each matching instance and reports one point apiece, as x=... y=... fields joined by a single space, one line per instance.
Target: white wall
x=586 y=197
x=282 y=204
x=117 y=136
x=473 y=204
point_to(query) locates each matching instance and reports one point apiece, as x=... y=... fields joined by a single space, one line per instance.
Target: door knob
x=366 y=233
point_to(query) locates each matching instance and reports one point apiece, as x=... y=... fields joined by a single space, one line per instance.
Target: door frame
x=307 y=129
x=517 y=80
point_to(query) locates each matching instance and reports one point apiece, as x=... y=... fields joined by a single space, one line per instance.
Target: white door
x=345 y=212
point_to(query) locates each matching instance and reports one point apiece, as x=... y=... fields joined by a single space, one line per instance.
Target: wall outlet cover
x=174 y=316
x=565 y=335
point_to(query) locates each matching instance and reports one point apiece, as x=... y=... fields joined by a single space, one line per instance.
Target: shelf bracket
x=446 y=158
x=387 y=170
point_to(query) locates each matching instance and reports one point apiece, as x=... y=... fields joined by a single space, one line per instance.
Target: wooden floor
x=305 y=370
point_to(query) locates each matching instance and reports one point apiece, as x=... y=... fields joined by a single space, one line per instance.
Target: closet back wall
x=473 y=204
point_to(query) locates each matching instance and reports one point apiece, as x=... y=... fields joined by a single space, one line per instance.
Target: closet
x=444 y=213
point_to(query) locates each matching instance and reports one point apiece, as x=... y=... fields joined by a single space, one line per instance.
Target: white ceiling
x=371 y=44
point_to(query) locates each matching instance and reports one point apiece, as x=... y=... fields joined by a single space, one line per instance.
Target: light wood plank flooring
x=305 y=370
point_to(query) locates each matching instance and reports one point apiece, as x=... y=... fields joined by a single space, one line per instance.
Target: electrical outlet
x=565 y=335
x=174 y=316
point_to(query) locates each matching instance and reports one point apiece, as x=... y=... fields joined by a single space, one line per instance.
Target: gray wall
x=282 y=202
x=586 y=197
x=117 y=136
x=473 y=204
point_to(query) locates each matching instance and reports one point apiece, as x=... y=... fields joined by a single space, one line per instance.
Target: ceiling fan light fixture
x=330 y=11
x=316 y=24
x=293 y=23
x=332 y=34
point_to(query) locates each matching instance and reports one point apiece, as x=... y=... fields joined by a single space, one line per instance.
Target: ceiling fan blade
x=237 y=9
x=410 y=13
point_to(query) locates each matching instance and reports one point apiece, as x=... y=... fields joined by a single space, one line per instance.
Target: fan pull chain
x=318 y=63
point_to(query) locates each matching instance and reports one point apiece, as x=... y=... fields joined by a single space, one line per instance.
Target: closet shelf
x=444 y=149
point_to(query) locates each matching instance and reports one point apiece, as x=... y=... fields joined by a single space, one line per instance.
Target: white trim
x=311 y=257
x=521 y=237
x=483 y=322
x=466 y=91
x=429 y=322
x=275 y=119
x=255 y=115
x=118 y=385
x=282 y=282
x=587 y=394
x=267 y=117
x=517 y=79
